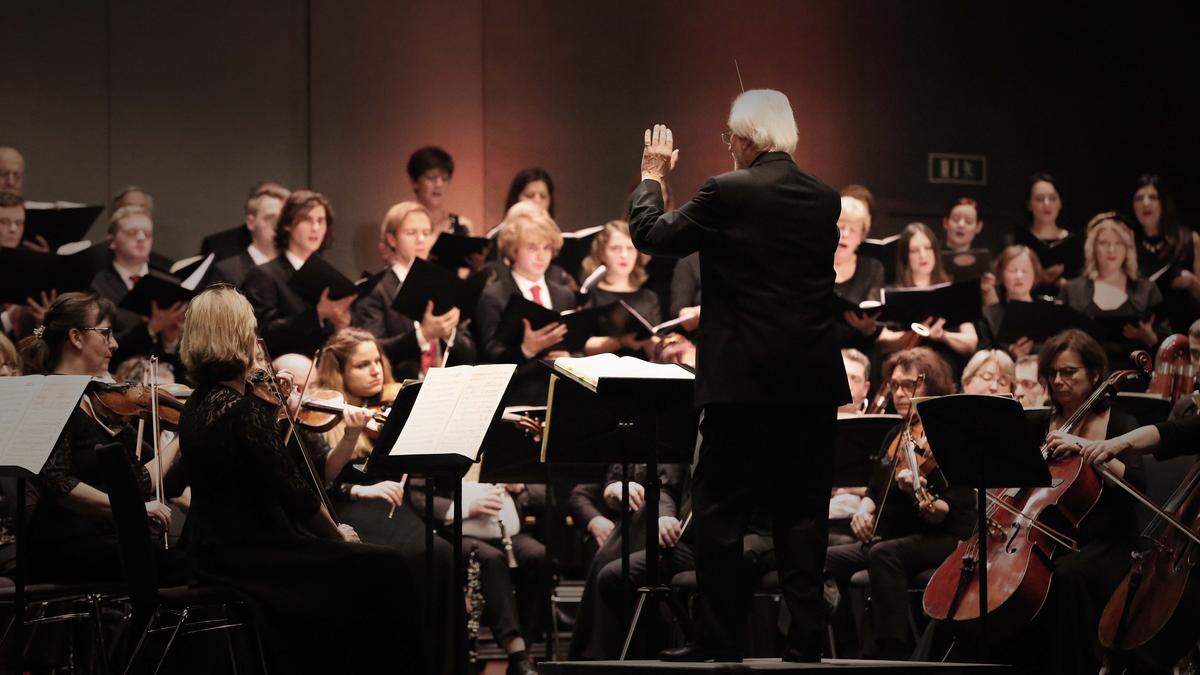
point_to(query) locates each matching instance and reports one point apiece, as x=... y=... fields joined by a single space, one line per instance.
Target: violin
x=1174 y=374
x=1026 y=529
x=919 y=464
x=126 y=400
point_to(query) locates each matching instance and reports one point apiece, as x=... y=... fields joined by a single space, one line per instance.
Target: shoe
x=698 y=653
x=792 y=655
x=521 y=667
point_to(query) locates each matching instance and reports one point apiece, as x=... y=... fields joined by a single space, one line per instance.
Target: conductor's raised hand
x=658 y=153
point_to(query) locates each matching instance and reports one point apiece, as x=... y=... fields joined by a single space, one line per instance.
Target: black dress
x=1180 y=309
x=1143 y=300
x=864 y=284
x=643 y=301
x=322 y=605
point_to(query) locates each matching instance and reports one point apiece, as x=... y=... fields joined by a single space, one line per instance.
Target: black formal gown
x=1143 y=300
x=1179 y=307
x=643 y=301
x=323 y=606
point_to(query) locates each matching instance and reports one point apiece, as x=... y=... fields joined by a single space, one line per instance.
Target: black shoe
x=801 y=656
x=521 y=667
x=699 y=653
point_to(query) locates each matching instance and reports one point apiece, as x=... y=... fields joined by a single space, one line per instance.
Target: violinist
x=326 y=603
x=72 y=536
x=897 y=540
x=919 y=265
x=353 y=366
x=1063 y=636
x=286 y=320
x=412 y=344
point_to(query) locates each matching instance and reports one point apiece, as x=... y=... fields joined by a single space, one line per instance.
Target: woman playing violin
x=325 y=602
x=72 y=535
x=1072 y=364
x=897 y=539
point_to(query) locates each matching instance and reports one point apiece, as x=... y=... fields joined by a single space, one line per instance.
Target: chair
x=158 y=610
x=55 y=603
x=861 y=581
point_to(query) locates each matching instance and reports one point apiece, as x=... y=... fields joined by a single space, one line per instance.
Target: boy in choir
x=262 y=215
x=12 y=170
x=896 y=539
x=529 y=241
x=230 y=242
x=431 y=169
x=132 y=195
x=413 y=345
x=288 y=322
x=130 y=239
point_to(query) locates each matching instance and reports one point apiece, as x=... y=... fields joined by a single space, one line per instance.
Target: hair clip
x=39 y=332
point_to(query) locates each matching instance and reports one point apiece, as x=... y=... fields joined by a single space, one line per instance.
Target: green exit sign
x=957 y=169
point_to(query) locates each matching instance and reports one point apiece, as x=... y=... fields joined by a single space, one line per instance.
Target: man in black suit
x=262 y=215
x=411 y=345
x=228 y=243
x=768 y=378
x=131 y=237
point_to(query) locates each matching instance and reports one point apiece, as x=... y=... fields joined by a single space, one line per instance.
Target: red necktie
x=536 y=290
x=134 y=278
x=429 y=357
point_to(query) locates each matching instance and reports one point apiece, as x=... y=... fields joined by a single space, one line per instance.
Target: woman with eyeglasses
x=1063 y=636
x=897 y=540
x=72 y=535
x=990 y=371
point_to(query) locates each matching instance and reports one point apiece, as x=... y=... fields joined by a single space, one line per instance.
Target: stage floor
x=773 y=666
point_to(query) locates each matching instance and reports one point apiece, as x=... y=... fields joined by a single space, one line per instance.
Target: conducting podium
x=435 y=429
x=607 y=409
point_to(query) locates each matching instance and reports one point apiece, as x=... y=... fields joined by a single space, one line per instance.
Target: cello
x=1174 y=374
x=1026 y=529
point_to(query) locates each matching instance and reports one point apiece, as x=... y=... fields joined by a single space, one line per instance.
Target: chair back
x=133 y=526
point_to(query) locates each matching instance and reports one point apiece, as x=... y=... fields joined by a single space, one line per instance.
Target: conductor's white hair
x=764 y=117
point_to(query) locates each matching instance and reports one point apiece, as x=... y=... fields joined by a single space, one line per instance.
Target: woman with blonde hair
x=325 y=602
x=623 y=280
x=990 y=371
x=1111 y=291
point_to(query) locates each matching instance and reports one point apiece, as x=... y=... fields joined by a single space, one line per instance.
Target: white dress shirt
x=526 y=288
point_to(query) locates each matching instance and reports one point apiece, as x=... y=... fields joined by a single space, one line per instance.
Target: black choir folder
x=883 y=250
x=426 y=281
x=581 y=324
x=957 y=302
x=26 y=273
x=452 y=250
x=33 y=411
x=442 y=420
x=641 y=327
x=608 y=408
x=576 y=247
x=1038 y=321
x=315 y=275
x=165 y=289
x=859 y=443
x=970 y=264
x=58 y=222
x=1067 y=252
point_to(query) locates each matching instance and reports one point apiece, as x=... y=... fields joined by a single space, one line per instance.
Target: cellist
x=907 y=540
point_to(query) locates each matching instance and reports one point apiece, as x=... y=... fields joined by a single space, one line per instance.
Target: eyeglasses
x=906 y=385
x=727 y=137
x=1066 y=373
x=105 y=333
x=991 y=377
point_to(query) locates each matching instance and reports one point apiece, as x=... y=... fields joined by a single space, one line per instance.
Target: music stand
x=623 y=420
x=859 y=442
x=433 y=467
x=983 y=441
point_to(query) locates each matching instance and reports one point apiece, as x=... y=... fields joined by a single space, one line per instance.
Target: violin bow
x=154 y=429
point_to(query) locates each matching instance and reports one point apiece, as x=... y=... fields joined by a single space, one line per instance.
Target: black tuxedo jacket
x=231 y=270
x=226 y=243
x=130 y=329
x=397 y=333
x=529 y=383
x=287 y=322
x=766 y=237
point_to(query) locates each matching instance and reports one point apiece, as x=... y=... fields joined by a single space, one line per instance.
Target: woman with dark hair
x=72 y=536
x=531 y=185
x=905 y=540
x=1063 y=636
x=1043 y=201
x=287 y=321
x=431 y=169
x=919 y=265
x=325 y=602
x=1165 y=244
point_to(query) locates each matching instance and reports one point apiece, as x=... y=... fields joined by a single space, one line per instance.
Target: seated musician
x=601 y=620
x=1018 y=269
x=1029 y=390
x=353 y=365
x=990 y=371
x=262 y=208
x=412 y=344
x=516 y=599
x=72 y=536
x=1110 y=289
x=896 y=539
x=326 y=603
x=528 y=242
x=1063 y=636
x=919 y=265
x=844 y=501
x=288 y=322
x=131 y=238
x=623 y=281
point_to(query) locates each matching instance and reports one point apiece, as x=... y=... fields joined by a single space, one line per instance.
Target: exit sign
x=957 y=169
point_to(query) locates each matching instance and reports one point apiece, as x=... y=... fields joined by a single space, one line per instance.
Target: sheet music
x=33 y=411
x=194 y=280
x=453 y=410
x=591 y=368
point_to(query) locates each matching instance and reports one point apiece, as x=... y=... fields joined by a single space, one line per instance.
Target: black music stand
x=623 y=421
x=859 y=442
x=983 y=441
x=433 y=467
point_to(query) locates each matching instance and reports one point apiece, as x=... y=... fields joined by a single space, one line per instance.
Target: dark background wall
x=196 y=102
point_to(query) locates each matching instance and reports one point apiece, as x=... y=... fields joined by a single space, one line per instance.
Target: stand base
x=661 y=595
x=765 y=666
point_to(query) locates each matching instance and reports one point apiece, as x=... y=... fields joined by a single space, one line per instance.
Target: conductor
x=768 y=376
